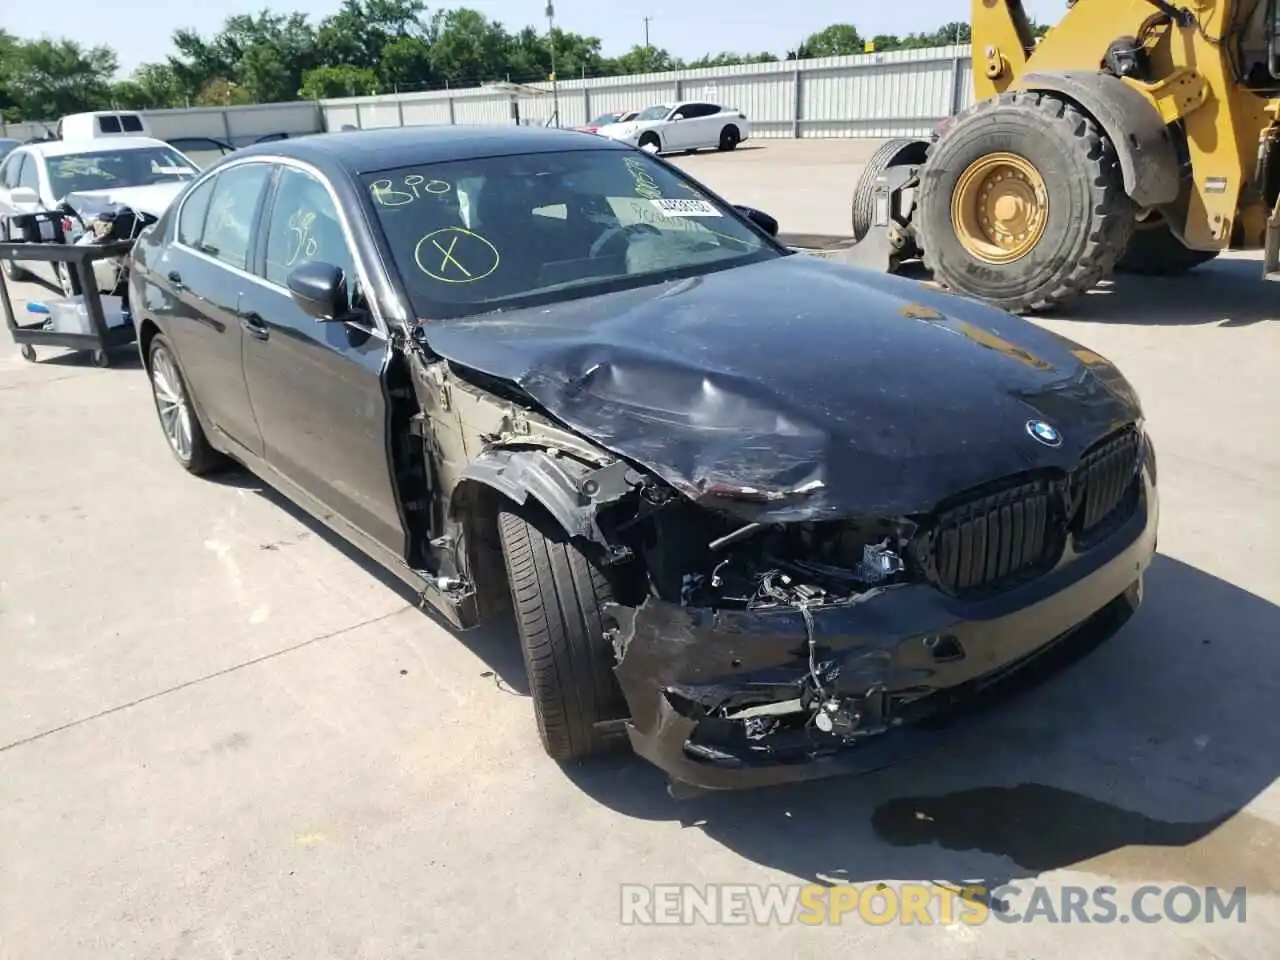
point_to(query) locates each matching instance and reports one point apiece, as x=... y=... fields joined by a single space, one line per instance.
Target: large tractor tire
x=1022 y=204
x=1155 y=252
x=891 y=153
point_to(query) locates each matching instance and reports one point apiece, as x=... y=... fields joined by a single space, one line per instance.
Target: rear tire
x=1155 y=252
x=1073 y=231
x=730 y=137
x=558 y=592
x=174 y=405
x=892 y=153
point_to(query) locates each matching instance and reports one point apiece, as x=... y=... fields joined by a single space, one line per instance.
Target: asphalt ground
x=223 y=733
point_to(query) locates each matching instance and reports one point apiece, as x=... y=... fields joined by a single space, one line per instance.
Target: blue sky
x=140 y=29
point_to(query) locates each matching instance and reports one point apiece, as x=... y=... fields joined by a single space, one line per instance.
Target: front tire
x=14 y=273
x=650 y=143
x=1022 y=203
x=178 y=419
x=558 y=592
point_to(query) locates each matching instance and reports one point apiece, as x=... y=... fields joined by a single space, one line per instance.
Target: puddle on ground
x=1043 y=828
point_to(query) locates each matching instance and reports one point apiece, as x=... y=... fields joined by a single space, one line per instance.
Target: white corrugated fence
x=898 y=93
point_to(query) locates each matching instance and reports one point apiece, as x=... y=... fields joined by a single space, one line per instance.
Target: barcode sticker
x=686 y=208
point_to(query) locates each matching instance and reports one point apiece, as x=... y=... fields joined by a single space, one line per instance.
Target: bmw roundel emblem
x=1045 y=433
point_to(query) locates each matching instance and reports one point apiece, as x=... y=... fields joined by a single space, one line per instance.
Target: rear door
x=705 y=124
x=317 y=388
x=206 y=273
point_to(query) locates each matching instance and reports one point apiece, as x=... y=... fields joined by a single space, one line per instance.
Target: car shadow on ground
x=1135 y=762
x=494 y=643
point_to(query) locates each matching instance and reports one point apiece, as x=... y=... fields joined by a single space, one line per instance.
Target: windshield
x=113 y=169
x=605 y=119
x=7 y=147
x=477 y=235
x=654 y=113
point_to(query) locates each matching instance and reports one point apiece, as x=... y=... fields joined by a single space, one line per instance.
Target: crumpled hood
x=828 y=390
x=153 y=198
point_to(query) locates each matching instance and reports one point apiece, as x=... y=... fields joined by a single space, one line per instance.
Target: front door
x=317 y=388
x=206 y=275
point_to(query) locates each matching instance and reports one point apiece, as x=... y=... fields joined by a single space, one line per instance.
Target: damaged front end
x=764 y=632
x=767 y=653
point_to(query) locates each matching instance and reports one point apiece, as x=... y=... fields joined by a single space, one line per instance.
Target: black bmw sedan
x=763 y=517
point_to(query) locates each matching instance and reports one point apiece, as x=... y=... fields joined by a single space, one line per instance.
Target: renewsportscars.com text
x=925 y=904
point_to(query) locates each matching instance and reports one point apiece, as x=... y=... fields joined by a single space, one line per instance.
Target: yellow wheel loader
x=1135 y=136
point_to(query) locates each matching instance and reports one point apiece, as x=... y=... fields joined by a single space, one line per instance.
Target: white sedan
x=139 y=172
x=690 y=125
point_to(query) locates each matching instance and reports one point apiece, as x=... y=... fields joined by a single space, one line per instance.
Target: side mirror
x=760 y=219
x=23 y=195
x=320 y=289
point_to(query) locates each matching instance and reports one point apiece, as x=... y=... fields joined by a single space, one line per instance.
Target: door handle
x=176 y=279
x=254 y=325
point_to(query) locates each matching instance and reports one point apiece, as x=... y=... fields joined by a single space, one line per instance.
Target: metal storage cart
x=80 y=260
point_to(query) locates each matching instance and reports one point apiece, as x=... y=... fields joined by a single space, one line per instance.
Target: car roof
x=368 y=151
x=64 y=148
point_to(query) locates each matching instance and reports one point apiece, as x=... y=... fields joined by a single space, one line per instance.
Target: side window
x=304 y=225
x=228 y=229
x=9 y=170
x=109 y=124
x=194 y=210
x=702 y=110
x=29 y=176
x=131 y=123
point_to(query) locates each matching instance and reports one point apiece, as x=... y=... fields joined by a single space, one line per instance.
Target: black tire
x=891 y=153
x=1155 y=252
x=14 y=273
x=203 y=458
x=649 y=140
x=730 y=137
x=1089 y=219
x=557 y=593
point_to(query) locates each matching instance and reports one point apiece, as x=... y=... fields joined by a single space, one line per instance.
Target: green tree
x=729 y=60
x=366 y=45
x=221 y=92
x=837 y=40
x=323 y=82
x=49 y=78
x=641 y=59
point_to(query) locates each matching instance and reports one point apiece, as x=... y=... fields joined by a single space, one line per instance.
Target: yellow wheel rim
x=1000 y=207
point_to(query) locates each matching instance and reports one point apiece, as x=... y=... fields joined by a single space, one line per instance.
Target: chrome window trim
x=380 y=324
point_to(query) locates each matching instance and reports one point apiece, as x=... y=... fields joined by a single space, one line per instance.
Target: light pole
x=551 y=42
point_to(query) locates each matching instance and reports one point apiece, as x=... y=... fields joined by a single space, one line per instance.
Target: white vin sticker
x=686 y=208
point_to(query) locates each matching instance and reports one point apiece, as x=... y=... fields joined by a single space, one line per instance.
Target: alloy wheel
x=172 y=404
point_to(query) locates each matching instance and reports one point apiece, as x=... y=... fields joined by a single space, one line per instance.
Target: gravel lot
x=223 y=733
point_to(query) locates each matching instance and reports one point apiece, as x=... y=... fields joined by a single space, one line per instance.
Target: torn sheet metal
x=724 y=698
x=868 y=395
